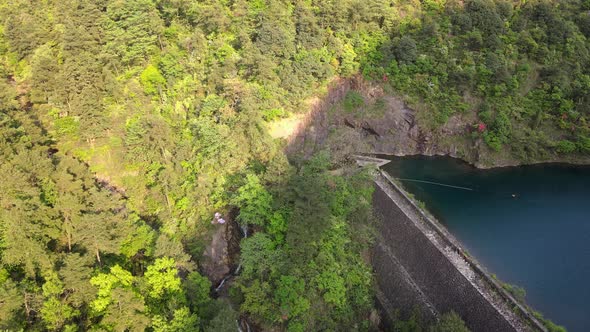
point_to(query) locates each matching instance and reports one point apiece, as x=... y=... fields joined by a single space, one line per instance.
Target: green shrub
x=492 y=140
x=273 y=114
x=551 y=327
x=66 y=126
x=449 y=322
x=406 y=50
x=584 y=144
x=565 y=146
x=151 y=80
x=413 y=324
x=353 y=101
x=519 y=293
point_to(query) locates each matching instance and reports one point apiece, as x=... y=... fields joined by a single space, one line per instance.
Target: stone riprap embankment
x=418 y=264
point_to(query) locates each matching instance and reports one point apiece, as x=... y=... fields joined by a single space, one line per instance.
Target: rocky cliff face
x=383 y=125
x=220 y=256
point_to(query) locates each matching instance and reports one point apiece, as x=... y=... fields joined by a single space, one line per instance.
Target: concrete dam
x=419 y=265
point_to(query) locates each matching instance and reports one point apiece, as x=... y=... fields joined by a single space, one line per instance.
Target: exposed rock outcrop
x=385 y=125
x=220 y=256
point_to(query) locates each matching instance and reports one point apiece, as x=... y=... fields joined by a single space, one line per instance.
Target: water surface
x=528 y=225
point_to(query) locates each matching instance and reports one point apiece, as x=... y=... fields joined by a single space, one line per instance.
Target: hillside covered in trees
x=126 y=124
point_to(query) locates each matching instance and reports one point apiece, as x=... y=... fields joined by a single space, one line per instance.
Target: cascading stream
x=244 y=229
x=245 y=322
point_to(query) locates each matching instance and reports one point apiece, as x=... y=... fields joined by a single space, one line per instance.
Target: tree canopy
x=126 y=124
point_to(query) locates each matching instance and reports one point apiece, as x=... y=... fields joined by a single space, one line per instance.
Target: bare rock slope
x=383 y=124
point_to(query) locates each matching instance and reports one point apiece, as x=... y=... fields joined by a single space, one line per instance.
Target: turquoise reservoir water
x=528 y=225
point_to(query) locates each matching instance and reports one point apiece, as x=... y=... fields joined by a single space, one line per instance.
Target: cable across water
x=435 y=183
x=511 y=196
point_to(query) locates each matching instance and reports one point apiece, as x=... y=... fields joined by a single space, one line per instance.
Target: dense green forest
x=126 y=124
x=517 y=69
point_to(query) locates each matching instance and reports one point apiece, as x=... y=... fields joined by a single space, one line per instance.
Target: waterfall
x=243 y=322
x=244 y=230
x=222 y=282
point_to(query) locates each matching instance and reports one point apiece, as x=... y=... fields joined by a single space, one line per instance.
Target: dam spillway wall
x=418 y=264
